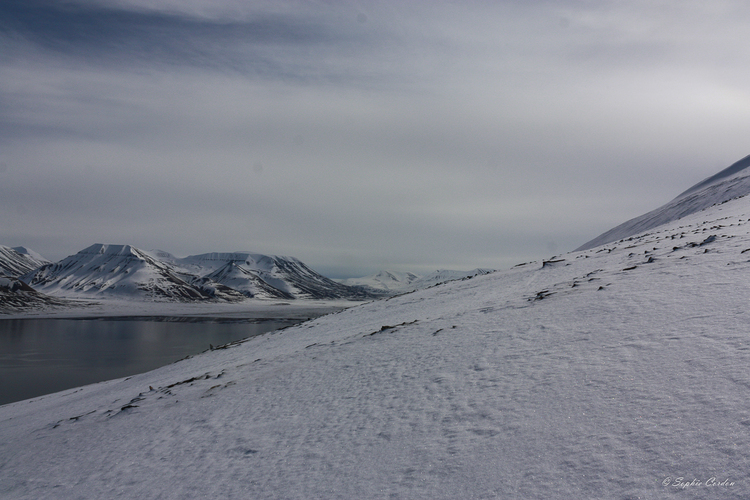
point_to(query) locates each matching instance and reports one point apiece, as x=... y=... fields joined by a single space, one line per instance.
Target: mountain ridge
x=124 y=271
x=117 y=270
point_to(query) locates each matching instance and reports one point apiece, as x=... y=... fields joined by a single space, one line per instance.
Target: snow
x=123 y=271
x=398 y=282
x=16 y=261
x=36 y=256
x=732 y=170
x=215 y=260
x=620 y=372
x=119 y=308
x=118 y=270
x=730 y=183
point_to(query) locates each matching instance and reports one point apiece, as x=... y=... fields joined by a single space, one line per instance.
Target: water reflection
x=40 y=356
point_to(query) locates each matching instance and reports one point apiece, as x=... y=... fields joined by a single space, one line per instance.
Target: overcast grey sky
x=363 y=135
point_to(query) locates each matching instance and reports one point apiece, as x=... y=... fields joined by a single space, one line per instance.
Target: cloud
x=266 y=45
x=359 y=135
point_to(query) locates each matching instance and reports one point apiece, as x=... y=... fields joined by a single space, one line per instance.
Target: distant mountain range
x=28 y=280
x=123 y=271
x=266 y=276
x=126 y=272
x=389 y=282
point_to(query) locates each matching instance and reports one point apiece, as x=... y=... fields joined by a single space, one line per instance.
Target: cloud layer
x=360 y=135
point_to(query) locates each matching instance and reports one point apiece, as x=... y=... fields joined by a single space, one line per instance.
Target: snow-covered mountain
x=617 y=372
x=732 y=182
x=391 y=282
x=122 y=271
x=246 y=281
x=383 y=281
x=19 y=260
x=268 y=276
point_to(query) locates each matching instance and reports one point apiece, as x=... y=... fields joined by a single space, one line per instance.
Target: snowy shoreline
x=247 y=311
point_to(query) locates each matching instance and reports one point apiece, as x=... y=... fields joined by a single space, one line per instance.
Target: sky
x=363 y=135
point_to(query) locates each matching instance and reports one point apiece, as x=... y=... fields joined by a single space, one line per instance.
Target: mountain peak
x=31 y=253
x=107 y=249
x=17 y=261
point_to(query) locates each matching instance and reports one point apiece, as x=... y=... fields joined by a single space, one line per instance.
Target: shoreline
x=243 y=312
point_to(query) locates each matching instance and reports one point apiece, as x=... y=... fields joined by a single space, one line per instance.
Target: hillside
x=730 y=183
x=617 y=372
x=18 y=297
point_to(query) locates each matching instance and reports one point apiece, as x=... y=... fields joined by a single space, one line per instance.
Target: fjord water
x=41 y=356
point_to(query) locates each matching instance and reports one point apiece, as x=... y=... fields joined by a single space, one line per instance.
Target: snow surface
x=620 y=372
x=730 y=183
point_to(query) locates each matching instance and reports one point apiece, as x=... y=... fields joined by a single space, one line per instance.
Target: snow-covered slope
x=19 y=260
x=246 y=281
x=268 y=276
x=16 y=296
x=441 y=276
x=730 y=183
x=390 y=282
x=616 y=373
x=122 y=271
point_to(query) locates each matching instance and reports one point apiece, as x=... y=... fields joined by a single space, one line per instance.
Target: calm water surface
x=40 y=356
